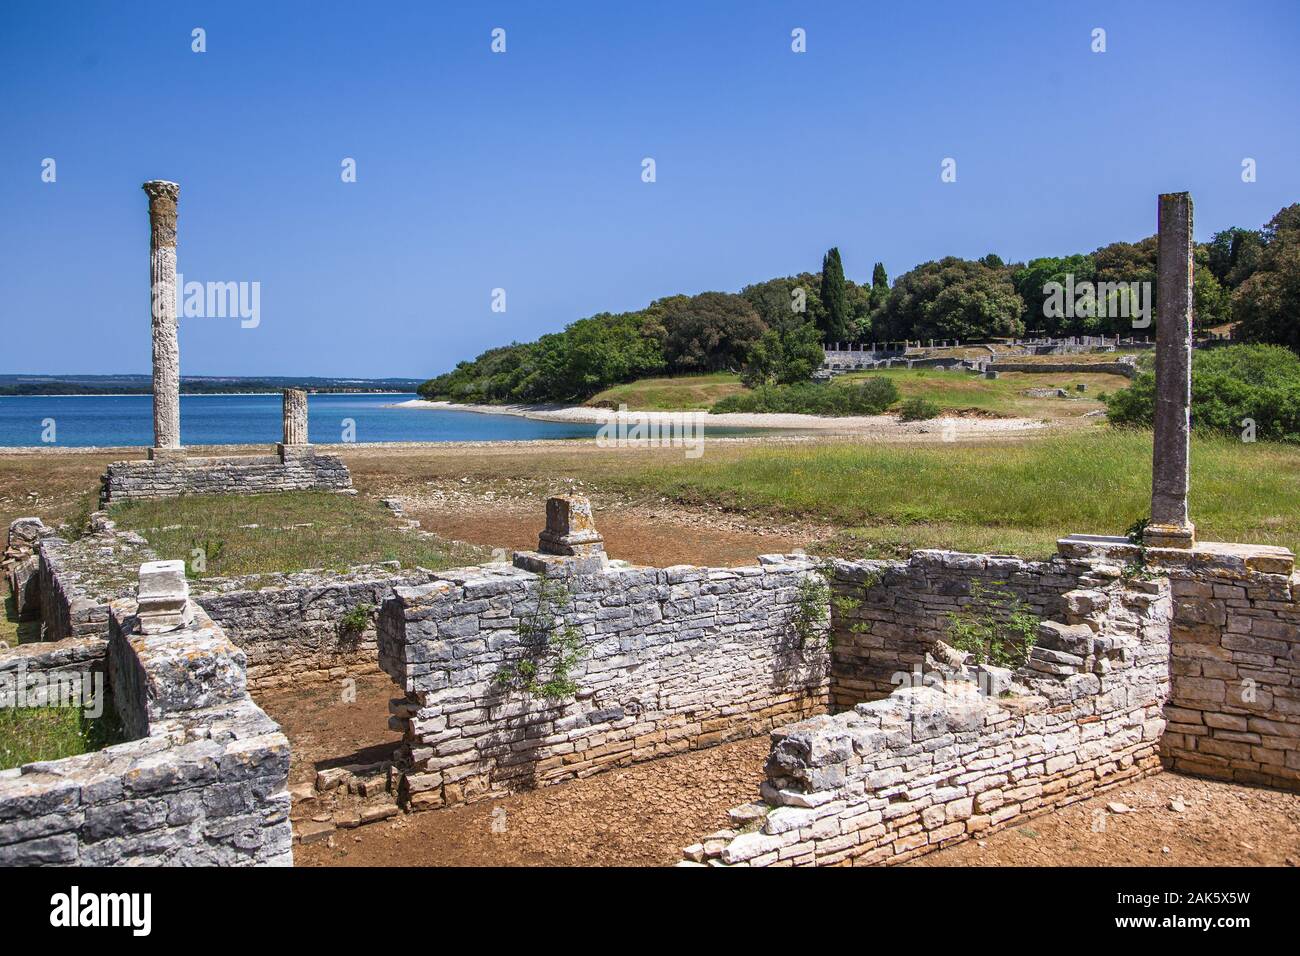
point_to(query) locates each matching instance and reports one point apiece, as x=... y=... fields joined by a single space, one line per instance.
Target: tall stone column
x=163 y=196
x=295 y=419
x=1170 y=526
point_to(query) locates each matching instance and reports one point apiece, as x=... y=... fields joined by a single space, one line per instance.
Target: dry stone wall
x=302 y=628
x=887 y=615
x=1234 y=710
x=203 y=782
x=669 y=660
x=298 y=628
x=247 y=475
x=935 y=764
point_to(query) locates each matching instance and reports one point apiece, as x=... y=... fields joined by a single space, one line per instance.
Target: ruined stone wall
x=203 y=783
x=935 y=764
x=1127 y=369
x=246 y=475
x=293 y=627
x=299 y=628
x=1234 y=712
x=50 y=673
x=886 y=615
x=671 y=659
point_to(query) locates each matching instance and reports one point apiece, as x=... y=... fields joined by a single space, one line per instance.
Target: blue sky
x=522 y=170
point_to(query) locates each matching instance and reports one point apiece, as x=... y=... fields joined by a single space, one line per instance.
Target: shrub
x=918 y=409
x=1259 y=383
x=872 y=397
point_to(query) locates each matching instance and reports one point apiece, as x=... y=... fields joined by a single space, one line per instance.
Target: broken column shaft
x=163 y=196
x=295 y=416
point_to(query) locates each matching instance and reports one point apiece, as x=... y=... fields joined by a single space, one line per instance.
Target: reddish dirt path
x=643 y=815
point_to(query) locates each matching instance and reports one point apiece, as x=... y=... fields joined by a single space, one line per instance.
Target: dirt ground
x=644 y=815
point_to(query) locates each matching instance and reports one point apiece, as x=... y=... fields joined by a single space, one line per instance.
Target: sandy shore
x=869 y=424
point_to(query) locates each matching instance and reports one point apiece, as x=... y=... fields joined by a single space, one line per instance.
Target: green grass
x=999 y=497
x=14 y=632
x=28 y=734
x=677 y=393
x=290 y=531
x=1003 y=396
x=951 y=391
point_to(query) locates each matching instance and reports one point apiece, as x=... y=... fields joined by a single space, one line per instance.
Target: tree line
x=771 y=332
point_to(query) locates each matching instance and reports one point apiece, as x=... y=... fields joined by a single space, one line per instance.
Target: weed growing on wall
x=551 y=648
x=997 y=627
x=812 y=610
x=357 y=619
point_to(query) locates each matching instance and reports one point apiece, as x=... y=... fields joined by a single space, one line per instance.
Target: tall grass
x=1012 y=497
x=290 y=531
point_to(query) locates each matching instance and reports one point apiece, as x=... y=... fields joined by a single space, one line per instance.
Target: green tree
x=836 y=320
x=784 y=356
x=787 y=302
x=953 y=298
x=1266 y=306
x=1234 y=254
x=708 y=332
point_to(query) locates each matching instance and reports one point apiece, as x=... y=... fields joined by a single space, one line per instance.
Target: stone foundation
x=297 y=468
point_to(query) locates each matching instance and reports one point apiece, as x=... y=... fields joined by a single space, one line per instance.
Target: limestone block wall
x=297 y=628
x=671 y=659
x=933 y=765
x=203 y=783
x=249 y=475
x=1234 y=710
x=78 y=579
x=1127 y=369
x=886 y=615
x=293 y=627
x=41 y=673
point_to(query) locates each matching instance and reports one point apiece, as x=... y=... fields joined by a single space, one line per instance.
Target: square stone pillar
x=163 y=198
x=1170 y=526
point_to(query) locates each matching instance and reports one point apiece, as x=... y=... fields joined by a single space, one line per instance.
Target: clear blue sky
x=523 y=170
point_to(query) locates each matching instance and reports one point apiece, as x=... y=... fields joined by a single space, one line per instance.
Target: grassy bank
x=247 y=534
x=951 y=391
x=1010 y=498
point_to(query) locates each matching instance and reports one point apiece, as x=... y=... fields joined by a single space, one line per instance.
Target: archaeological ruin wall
x=665 y=660
x=887 y=615
x=200 y=781
x=304 y=627
x=941 y=760
x=244 y=474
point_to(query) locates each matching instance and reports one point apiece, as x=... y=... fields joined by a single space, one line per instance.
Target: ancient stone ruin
x=886 y=742
x=169 y=471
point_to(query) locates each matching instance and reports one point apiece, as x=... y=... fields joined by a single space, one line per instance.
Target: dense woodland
x=771 y=331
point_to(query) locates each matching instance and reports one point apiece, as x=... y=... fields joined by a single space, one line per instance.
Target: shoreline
x=853 y=424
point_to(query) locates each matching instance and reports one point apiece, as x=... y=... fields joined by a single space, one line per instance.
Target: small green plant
x=1137 y=568
x=996 y=628
x=812 y=610
x=357 y=619
x=551 y=648
x=917 y=410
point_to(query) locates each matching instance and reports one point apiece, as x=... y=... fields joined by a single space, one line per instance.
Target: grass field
x=28 y=734
x=679 y=393
x=952 y=391
x=1008 y=498
x=1003 y=396
x=291 y=531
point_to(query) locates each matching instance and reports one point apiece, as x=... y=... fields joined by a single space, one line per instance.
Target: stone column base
x=294 y=452
x=167 y=454
x=1169 y=536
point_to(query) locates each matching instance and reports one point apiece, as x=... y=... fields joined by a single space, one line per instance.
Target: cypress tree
x=836 y=314
x=879 y=280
